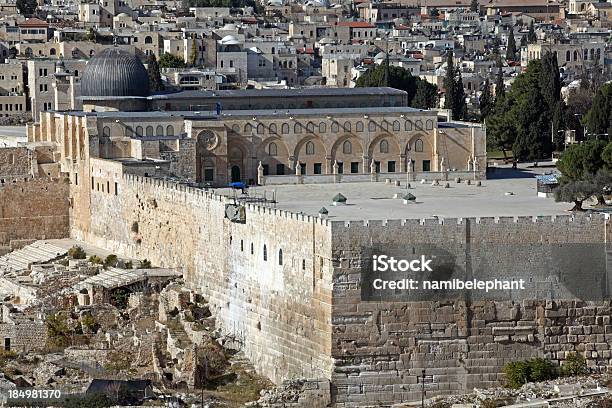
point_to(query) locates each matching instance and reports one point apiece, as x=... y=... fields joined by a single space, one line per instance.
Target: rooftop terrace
x=375 y=201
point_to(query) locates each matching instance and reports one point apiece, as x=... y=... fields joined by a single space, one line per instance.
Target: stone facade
x=306 y=318
x=34 y=209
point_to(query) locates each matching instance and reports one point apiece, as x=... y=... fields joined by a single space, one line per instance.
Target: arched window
x=347 y=126
x=384 y=146
x=418 y=145
x=235 y=128
x=310 y=148
x=248 y=128
x=28 y=52
x=169 y=130
x=568 y=55
x=297 y=128
x=52 y=51
x=372 y=126
x=273 y=128
x=129 y=132
x=408 y=125
x=241 y=245
x=149 y=130
x=159 y=130
x=280 y=256
x=272 y=149
x=310 y=127
x=575 y=55
x=419 y=125
x=347 y=148
x=265 y=253
x=335 y=127
x=138 y=130
x=260 y=129
x=148 y=39
x=359 y=126
x=429 y=125
x=396 y=126
x=285 y=129
x=322 y=127
x=106 y=131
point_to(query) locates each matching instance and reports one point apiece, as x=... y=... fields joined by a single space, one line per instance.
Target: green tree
x=434 y=12
x=421 y=94
x=474 y=6
x=454 y=98
x=111 y=260
x=26 y=7
x=485 y=102
x=77 y=252
x=426 y=95
x=511 y=46
x=500 y=88
x=58 y=331
x=193 y=55
x=170 y=61
x=598 y=119
x=531 y=35
x=155 y=81
x=521 y=119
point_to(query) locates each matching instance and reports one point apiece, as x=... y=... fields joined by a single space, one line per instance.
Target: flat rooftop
x=375 y=201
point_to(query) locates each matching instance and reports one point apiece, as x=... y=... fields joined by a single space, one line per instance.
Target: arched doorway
x=205 y=159
x=235 y=174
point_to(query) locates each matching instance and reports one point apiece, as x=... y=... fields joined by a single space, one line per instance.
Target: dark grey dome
x=114 y=72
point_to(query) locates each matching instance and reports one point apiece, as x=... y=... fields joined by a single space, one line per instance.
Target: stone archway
x=206 y=166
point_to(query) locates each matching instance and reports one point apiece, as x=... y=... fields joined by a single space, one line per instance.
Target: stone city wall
x=34 y=209
x=381 y=347
x=15 y=163
x=265 y=286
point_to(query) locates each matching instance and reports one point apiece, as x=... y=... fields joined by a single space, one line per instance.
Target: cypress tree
x=531 y=35
x=193 y=55
x=155 y=81
x=486 y=101
x=453 y=84
x=511 y=47
x=500 y=88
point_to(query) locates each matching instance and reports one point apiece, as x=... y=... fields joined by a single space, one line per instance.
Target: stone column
x=373 y=175
x=298 y=172
x=335 y=172
x=328 y=165
x=365 y=162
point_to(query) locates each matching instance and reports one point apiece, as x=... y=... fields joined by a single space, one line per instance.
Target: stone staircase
x=37 y=252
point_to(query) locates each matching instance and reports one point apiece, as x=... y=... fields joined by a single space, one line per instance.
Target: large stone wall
x=281 y=313
x=34 y=209
x=381 y=347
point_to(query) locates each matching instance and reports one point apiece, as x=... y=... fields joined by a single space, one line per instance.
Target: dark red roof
x=34 y=22
x=355 y=24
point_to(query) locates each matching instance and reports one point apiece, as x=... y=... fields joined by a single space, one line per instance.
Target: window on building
x=252 y=249
x=418 y=145
x=303 y=167
x=347 y=148
x=310 y=148
x=347 y=126
x=359 y=126
x=317 y=168
x=209 y=174
x=280 y=257
x=426 y=165
x=272 y=149
x=391 y=167
x=266 y=169
x=335 y=127
x=429 y=125
x=149 y=130
x=340 y=167
x=408 y=125
x=169 y=130
x=138 y=130
x=322 y=127
x=159 y=130
x=419 y=125
x=260 y=129
x=372 y=126
x=297 y=128
x=273 y=128
x=384 y=146
x=265 y=253
x=396 y=126
x=248 y=128
x=106 y=131
x=241 y=245
x=280 y=169
x=354 y=167
x=284 y=128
